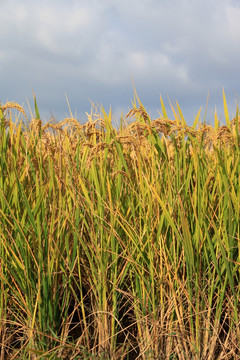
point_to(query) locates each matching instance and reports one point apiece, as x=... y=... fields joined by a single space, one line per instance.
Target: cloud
x=92 y=49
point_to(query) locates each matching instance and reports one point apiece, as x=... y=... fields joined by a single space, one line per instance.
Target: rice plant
x=119 y=243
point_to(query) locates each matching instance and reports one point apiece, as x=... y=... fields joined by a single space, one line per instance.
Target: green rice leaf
x=163 y=108
x=36 y=107
x=196 y=118
x=226 y=111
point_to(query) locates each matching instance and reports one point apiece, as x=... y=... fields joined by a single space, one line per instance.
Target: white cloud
x=232 y=17
x=138 y=61
x=90 y=47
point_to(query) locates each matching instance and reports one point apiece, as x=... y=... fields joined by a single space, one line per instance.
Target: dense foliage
x=119 y=244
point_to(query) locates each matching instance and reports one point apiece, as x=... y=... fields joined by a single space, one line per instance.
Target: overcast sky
x=95 y=50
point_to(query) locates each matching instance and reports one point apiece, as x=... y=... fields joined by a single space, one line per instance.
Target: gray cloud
x=93 y=49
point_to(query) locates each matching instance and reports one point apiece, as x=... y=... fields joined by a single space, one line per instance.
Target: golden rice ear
x=13 y=105
x=140 y=111
x=36 y=126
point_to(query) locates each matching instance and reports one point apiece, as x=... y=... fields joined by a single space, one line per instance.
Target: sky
x=95 y=52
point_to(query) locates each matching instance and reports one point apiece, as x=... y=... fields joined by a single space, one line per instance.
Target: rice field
x=119 y=243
